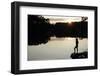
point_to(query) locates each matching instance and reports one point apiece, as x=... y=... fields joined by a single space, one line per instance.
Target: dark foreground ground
x=79 y=55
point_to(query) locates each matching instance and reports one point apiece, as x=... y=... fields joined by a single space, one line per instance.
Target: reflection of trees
x=40 y=30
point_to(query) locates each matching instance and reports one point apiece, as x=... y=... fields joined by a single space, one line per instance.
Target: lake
x=56 y=48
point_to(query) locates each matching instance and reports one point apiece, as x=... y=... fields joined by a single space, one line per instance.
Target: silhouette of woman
x=76 y=47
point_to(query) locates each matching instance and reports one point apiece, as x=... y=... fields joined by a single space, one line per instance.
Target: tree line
x=40 y=30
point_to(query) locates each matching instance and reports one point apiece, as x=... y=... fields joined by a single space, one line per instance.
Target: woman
x=76 y=47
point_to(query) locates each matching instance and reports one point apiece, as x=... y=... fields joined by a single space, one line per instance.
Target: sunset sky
x=69 y=19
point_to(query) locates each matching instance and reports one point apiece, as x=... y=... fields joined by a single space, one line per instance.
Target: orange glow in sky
x=69 y=19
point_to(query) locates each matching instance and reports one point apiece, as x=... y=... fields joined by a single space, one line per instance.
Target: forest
x=40 y=30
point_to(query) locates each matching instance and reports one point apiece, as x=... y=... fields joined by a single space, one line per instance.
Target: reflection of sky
x=56 y=48
x=54 y=19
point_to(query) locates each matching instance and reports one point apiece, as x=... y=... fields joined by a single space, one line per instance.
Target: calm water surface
x=56 y=48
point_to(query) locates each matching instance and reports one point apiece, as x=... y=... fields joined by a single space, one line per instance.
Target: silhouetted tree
x=84 y=18
x=38 y=30
x=76 y=29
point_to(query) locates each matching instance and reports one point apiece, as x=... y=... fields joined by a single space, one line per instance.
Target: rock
x=79 y=55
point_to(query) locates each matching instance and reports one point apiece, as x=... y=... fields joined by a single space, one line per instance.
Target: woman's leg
x=75 y=49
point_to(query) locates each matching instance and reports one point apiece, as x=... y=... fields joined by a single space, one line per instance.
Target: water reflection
x=56 y=48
